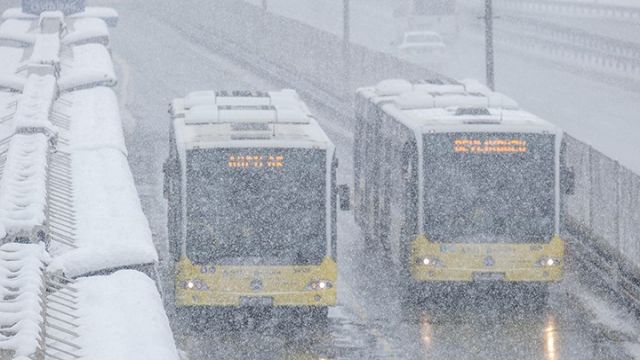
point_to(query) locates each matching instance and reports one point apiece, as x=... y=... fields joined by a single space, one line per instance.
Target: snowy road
x=602 y=115
x=159 y=63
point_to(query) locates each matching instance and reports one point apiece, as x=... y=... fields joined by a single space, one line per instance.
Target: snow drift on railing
x=123 y=318
x=22 y=291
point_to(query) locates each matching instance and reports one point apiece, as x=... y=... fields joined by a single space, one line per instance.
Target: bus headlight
x=319 y=285
x=194 y=285
x=546 y=261
x=429 y=261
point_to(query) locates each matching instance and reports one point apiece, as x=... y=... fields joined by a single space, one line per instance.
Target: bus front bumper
x=487 y=262
x=425 y=273
x=323 y=298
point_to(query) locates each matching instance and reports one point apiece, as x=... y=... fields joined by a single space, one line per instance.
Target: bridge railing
x=578 y=9
x=65 y=185
x=604 y=216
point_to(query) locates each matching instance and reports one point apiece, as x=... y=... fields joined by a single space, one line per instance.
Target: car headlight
x=195 y=284
x=429 y=261
x=546 y=261
x=318 y=285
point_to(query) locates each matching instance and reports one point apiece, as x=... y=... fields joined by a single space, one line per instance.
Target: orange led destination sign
x=490 y=146
x=255 y=161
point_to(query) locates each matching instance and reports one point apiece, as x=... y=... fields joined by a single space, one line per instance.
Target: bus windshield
x=256 y=206
x=489 y=188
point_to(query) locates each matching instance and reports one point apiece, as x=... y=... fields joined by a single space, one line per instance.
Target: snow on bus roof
x=284 y=97
x=122 y=317
x=446 y=104
x=245 y=118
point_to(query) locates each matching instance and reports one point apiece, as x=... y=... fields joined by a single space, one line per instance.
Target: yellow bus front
x=487 y=262
x=260 y=229
x=237 y=285
x=490 y=208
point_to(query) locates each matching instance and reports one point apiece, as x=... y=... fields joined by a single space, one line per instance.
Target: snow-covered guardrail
x=66 y=139
x=108 y=15
x=22 y=299
x=610 y=59
x=579 y=9
x=66 y=187
x=575 y=47
x=603 y=215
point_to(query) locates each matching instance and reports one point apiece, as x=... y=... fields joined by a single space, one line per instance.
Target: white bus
x=458 y=183
x=251 y=187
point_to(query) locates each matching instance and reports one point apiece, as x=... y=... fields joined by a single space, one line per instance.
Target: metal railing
x=581 y=9
x=607 y=199
x=580 y=50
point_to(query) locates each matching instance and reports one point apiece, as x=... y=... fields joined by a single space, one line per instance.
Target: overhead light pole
x=346 y=40
x=489 y=58
x=346 y=21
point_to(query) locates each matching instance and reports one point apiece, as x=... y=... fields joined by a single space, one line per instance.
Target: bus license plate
x=488 y=276
x=256 y=301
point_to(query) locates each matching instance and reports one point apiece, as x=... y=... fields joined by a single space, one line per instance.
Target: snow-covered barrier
x=604 y=215
x=23 y=186
x=23 y=193
x=115 y=233
x=87 y=61
x=572 y=8
x=108 y=15
x=22 y=300
x=122 y=318
x=65 y=178
x=66 y=187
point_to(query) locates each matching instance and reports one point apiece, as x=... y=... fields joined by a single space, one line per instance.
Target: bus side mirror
x=568 y=181
x=344 y=195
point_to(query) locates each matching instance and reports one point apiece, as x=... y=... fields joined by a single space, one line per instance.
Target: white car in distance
x=422 y=47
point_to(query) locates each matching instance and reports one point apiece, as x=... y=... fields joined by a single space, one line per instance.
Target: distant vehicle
x=440 y=16
x=459 y=184
x=422 y=47
x=251 y=187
